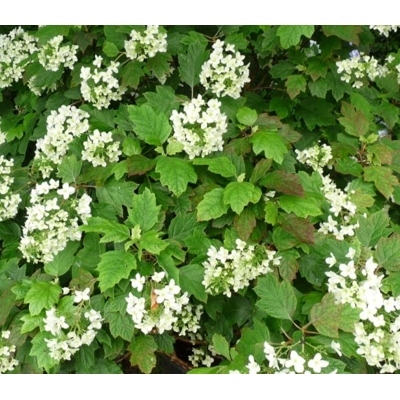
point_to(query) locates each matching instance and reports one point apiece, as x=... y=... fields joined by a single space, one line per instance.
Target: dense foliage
x=231 y=188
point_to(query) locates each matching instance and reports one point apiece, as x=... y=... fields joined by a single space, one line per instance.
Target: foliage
x=234 y=188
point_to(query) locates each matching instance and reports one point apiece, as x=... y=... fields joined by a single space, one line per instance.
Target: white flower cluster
x=52 y=54
x=15 y=51
x=361 y=66
x=225 y=271
x=8 y=202
x=52 y=220
x=146 y=45
x=385 y=29
x=224 y=74
x=7 y=352
x=294 y=363
x=100 y=86
x=378 y=332
x=62 y=127
x=200 y=127
x=81 y=330
x=100 y=149
x=162 y=309
x=201 y=356
x=318 y=157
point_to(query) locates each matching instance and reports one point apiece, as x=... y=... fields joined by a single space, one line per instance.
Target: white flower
x=317 y=363
x=158 y=276
x=82 y=296
x=253 y=367
x=336 y=346
x=296 y=361
x=138 y=282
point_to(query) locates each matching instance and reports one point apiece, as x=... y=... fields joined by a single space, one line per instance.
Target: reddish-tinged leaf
x=349 y=33
x=139 y=165
x=301 y=228
x=289 y=266
x=284 y=182
x=355 y=122
x=245 y=223
x=382 y=177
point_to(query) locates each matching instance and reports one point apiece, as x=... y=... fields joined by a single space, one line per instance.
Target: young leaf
x=239 y=194
x=175 y=173
x=355 y=122
x=212 y=206
x=143 y=350
x=276 y=299
x=328 y=316
x=144 y=211
x=283 y=181
x=114 y=266
x=383 y=179
x=42 y=295
x=271 y=143
x=150 y=127
x=295 y=84
x=152 y=243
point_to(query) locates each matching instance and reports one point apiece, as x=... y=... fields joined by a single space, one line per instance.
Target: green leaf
x=191 y=63
x=276 y=299
x=40 y=351
x=104 y=366
x=348 y=166
x=388 y=253
x=348 y=33
x=163 y=100
x=328 y=316
x=260 y=170
x=152 y=243
x=117 y=194
x=393 y=280
x=271 y=143
x=69 y=169
x=282 y=69
x=290 y=35
x=316 y=111
x=239 y=194
x=190 y=279
x=247 y=116
x=301 y=206
x=131 y=74
x=144 y=211
x=42 y=295
x=31 y=322
x=120 y=323
x=295 y=84
x=221 y=346
x=63 y=260
x=112 y=230
x=175 y=173
x=7 y=301
x=159 y=65
x=143 y=355
x=252 y=340
x=114 y=266
x=372 y=228
x=182 y=226
x=150 y=127
x=212 y=206
x=383 y=179
x=139 y=165
x=283 y=181
x=47 y=32
x=221 y=165
x=355 y=122
x=318 y=88
x=110 y=49
x=271 y=212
